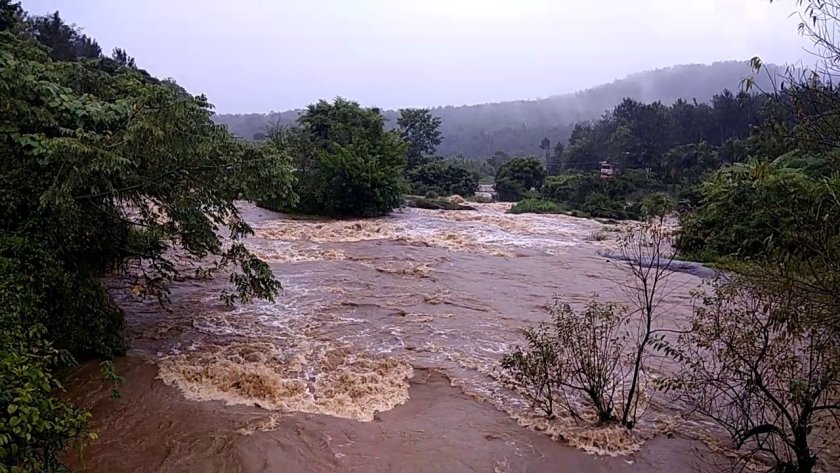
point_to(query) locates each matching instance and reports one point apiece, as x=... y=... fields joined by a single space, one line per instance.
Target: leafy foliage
x=345 y=162
x=36 y=426
x=443 y=178
x=752 y=210
x=103 y=169
x=774 y=386
x=518 y=176
x=590 y=195
x=420 y=130
x=578 y=353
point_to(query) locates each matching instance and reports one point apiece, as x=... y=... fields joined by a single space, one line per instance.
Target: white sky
x=262 y=55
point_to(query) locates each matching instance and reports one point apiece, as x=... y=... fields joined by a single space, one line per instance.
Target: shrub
x=600 y=205
x=536 y=370
x=749 y=211
x=600 y=235
x=656 y=205
x=752 y=366
x=443 y=178
x=571 y=187
x=577 y=354
x=536 y=206
x=36 y=426
x=518 y=176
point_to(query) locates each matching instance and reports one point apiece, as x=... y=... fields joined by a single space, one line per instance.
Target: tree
x=346 y=163
x=576 y=354
x=121 y=57
x=545 y=146
x=601 y=353
x=647 y=256
x=442 y=178
x=65 y=43
x=518 y=176
x=421 y=131
x=498 y=159
x=554 y=162
x=11 y=14
x=103 y=172
x=772 y=385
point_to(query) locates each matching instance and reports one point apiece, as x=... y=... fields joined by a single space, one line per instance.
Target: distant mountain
x=518 y=127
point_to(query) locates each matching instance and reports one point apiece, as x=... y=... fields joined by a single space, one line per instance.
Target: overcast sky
x=262 y=55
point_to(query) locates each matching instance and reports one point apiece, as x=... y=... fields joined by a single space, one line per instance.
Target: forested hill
x=518 y=127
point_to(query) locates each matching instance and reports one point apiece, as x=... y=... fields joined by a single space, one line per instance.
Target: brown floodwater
x=380 y=354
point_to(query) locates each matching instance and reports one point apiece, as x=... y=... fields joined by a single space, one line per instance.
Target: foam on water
x=312 y=352
x=315 y=377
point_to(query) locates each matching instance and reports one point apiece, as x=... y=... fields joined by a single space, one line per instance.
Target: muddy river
x=380 y=354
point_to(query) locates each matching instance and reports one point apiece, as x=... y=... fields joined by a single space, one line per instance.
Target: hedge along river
x=381 y=354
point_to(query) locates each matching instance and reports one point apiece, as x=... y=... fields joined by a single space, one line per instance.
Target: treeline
x=651 y=149
x=760 y=354
x=517 y=128
x=104 y=169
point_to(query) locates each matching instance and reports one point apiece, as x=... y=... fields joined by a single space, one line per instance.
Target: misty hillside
x=518 y=127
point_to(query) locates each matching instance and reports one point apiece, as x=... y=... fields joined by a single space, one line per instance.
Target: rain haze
x=257 y=56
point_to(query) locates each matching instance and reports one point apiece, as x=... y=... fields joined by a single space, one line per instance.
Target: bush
x=591 y=195
x=536 y=206
x=571 y=187
x=442 y=178
x=601 y=206
x=600 y=235
x=656 y=205
x=750 y=211
x=577 y=354
x=518 y=176
x=36 y=426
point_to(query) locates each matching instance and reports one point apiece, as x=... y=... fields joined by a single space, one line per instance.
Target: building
x=487 y=191
x=607 y=170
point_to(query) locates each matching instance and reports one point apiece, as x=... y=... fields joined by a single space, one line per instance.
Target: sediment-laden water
x=380 y=354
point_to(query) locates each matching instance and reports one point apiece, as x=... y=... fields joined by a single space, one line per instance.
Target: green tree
x=102 y=171
x=545 y=146
x=421 y=132
x=121 y=57
x=346 y=163
x=65 y=43
x=10 y=14
x=442 y=178
x=518 y=176
x=498 y=159
x=554 y=163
